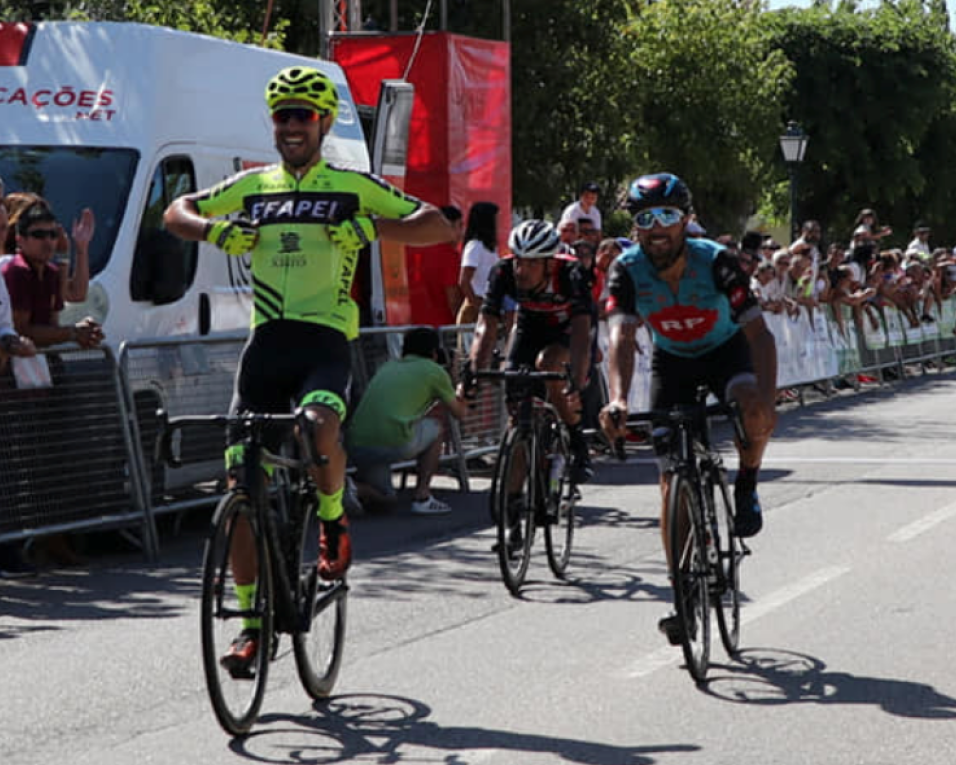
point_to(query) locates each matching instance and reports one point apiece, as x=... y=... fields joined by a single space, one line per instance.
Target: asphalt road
x=848 y=622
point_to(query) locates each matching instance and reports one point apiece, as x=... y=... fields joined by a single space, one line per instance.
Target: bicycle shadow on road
x=770 y=676
x=389 y=729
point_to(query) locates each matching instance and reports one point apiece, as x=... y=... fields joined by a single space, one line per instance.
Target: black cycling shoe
x=669 y=626
x=581 y=469
x=748 y=519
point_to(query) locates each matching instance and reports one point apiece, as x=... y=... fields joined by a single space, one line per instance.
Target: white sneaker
x=430 y=506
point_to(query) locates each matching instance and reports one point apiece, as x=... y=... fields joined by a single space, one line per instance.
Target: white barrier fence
x=122 y=485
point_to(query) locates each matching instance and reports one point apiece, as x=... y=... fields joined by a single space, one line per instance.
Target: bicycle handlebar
x=253 y=421
x=690 y=413
x=527 y=374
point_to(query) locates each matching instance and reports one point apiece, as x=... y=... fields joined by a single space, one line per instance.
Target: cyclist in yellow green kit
x=305 y=223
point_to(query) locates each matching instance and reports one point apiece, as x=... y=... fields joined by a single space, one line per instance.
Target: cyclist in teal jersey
x=305 y=223
x=707 y=328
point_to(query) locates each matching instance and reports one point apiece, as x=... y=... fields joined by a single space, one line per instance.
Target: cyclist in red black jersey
x=553 y=325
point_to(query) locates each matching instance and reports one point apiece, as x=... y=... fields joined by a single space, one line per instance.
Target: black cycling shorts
x=675 y=379
x=285 y=361
x=524 y=351
x=526 y=346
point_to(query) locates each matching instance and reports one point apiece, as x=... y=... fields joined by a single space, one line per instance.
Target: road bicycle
x=704 y=553
x=532 y=484
x=289 y=595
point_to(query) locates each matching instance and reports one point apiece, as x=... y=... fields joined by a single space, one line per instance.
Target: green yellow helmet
x=303 y=83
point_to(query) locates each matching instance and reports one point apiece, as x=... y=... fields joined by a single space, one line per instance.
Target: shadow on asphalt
x=380 y=727
x=772 y=676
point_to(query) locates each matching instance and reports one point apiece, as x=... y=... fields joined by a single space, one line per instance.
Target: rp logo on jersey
x=684 y=323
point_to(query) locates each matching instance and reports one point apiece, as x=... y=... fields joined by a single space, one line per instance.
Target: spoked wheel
x=689 y=575
x=319 y=644
x=730 y=553
x=514 y=508
x=560 y=499
x=236 y=692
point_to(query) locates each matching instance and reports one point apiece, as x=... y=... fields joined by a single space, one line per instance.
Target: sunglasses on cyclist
x=42 y=234
x=665 y=216
x=298 y=113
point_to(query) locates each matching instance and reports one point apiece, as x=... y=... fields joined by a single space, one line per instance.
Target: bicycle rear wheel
x=689 y=575
x=236 y=696
x=560 y=500
x=730 y=553
x=320 y=641
x=513 y=507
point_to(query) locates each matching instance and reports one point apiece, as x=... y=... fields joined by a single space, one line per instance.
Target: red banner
x=460 y=136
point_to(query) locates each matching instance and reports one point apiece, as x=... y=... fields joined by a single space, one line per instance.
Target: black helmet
x=658 y=190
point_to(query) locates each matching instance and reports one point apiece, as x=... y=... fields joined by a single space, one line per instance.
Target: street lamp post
x=793 y=144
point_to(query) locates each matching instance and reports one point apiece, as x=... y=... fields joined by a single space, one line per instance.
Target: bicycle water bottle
x=557 y=470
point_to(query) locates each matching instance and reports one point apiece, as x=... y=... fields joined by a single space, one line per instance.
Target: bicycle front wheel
x=689 y=575
x=730 y=553
x=319 y=643
x=236 y=693
x=562 y=495
x=513 y=507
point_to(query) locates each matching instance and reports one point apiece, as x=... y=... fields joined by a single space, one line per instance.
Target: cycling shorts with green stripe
x=289 y=363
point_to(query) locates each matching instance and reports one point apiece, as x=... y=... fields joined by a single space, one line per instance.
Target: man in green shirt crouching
x=392 y=422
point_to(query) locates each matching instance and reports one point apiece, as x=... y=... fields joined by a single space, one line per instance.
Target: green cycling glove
x=232 y=237
x=354 y=233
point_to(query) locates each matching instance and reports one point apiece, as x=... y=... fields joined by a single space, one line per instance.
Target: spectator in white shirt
x=479 y=255
x=585 y=207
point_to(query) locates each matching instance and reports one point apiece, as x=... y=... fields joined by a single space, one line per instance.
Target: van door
x=389 y=152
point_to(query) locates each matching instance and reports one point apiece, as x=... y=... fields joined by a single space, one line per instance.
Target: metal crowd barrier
x=78 y=455
x=184 y=376
x=65 y=451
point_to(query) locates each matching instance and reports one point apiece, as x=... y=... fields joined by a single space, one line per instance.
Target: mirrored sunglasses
x=298 y=113
x=665 y=216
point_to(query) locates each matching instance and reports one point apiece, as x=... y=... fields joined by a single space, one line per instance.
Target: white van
x=123 y=118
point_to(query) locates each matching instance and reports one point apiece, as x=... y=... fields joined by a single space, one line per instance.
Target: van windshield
x=71 y=178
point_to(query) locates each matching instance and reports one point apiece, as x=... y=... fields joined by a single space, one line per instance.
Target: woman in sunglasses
x=708 y=330
x=34 y=283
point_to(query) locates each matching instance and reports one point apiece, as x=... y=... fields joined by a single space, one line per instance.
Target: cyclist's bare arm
x=580 y=349
x=486 y=334
x=182 y=218
x=425 y=226
x=620 y=365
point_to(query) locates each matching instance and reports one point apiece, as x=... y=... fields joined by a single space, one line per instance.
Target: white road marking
x=730 y=460
x=784 y=595
x=925 y=523
x=748 y=613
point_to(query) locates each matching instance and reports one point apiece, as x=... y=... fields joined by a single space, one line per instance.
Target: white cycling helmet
x=534 y=239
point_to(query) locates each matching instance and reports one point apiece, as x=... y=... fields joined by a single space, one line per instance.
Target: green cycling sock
x=246 y=595
x=330 y=505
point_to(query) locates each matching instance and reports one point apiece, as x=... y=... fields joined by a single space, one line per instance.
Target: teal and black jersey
x=712 y=302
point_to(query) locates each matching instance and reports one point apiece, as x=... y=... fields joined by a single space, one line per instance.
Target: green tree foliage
x=874 y=90
x=239 y=21
x=569 y=115
x=610 y=89
x=704 y=93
